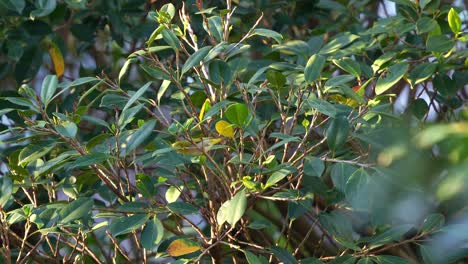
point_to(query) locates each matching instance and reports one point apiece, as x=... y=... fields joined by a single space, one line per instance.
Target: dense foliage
x=217 y=133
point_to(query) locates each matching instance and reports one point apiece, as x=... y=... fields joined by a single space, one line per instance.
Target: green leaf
x=423 y=3
x=14 y=5
x=237 y=114
x=421 y=72
x=425 y=24
x=127 y=224
x=322 y=106
x=338 y=42
x=182 y=208
x=268 y=33
x=276 y=79
x=454 y=21
x=433 y=223
x=152 y=233
x=339 y=81
x=276 y=177
x=90 y=159
x=366 y=260
x=6 y=190
x=169 y=9
x=78 y=4
x=313 y=166
x=126 y=67
x=346 y=259
x=220 y=72
x=385 y=259
x=216 y=28
x=232 y=211
x=33 y=152
x=43 y=8
x=349 y=65
x=419 y=108
x=314 y=68
x=136 y=138
x=126 y=116
x=337 y=132
x=171 y=39
x=439 y=43
x=67 y=129
x=391 y=77
x=79 y=209
x=254 y=259
x=49 y=86
x=357 y=189
x=393 y=234
x=340 y=173
x=283 y=255
x=195 y=59
x=137 y=95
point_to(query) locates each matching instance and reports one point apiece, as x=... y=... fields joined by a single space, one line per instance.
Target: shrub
x=296 y=156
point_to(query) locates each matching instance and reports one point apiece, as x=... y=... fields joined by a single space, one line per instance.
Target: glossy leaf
x=276 y=177
x=454 y=21
x=314 y=68
x=421 y=73
x=393 y=74
x=268 y=33
x=49 y=86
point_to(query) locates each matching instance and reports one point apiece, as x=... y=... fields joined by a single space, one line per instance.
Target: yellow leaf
x=57 y=59
x=180 y=247
x=224 y=128
x=205 y=107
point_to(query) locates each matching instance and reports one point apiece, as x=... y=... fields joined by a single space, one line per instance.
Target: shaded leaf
x=152 y=233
